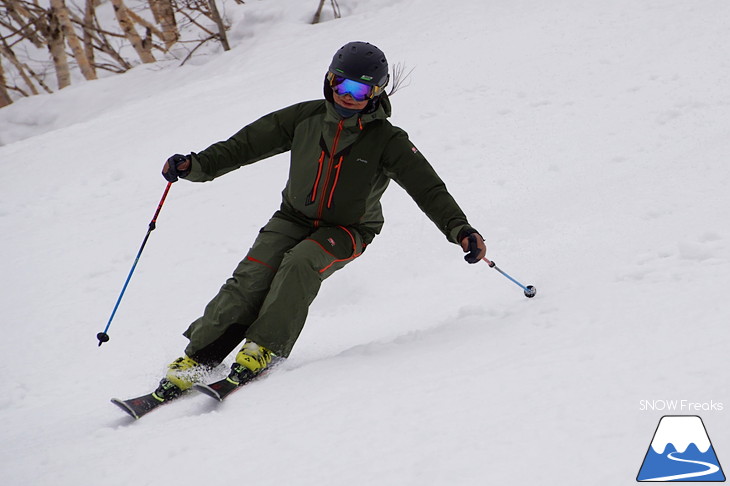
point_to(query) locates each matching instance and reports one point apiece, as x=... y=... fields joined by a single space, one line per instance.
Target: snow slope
x=587 y=140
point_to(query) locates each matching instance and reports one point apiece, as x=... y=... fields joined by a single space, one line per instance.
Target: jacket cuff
x=196 y=170
x=464 y=232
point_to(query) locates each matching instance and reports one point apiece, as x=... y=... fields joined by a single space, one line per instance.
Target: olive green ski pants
x=267 y=298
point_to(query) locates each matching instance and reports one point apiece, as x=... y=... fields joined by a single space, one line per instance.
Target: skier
x=344 y=152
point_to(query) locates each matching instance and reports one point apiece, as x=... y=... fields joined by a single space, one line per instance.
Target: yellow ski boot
x=251 y=360
x=184 y=372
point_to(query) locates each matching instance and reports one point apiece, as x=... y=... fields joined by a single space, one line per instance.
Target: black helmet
x=362 y=62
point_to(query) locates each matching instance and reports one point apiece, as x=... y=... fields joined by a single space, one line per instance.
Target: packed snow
x=587 y=141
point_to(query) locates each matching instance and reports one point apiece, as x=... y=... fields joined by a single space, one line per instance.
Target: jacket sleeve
x=269 y=135
x=404 y=164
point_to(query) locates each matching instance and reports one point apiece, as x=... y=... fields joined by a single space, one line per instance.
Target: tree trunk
x=149 y=26
x=143 y=51
x=61 y=12
x=219 y=22
x=54 y=38
x=164 y=15
x=5 y=99
x=318 y=13
x=89 y=14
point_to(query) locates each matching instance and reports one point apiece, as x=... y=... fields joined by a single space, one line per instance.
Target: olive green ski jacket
x=339 y=167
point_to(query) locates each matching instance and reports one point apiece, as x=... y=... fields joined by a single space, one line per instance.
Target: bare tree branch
x=10 y=56
x=190 y=54
x=197 y=24
x=20 y=11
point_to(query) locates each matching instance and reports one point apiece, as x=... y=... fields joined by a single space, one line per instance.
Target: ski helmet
x=361 y=61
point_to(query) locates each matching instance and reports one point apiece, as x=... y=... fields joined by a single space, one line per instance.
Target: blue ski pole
x=530 y=291
x=103 y=336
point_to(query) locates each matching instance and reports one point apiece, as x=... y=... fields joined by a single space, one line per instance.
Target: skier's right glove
x=176 y=166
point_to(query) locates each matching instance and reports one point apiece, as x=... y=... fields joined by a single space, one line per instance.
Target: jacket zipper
x=316 y=180
x=334 y=184
x=338 y=167
x=329 y=172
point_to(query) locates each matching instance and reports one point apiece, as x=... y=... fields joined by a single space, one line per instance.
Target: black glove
x=176 y=166
x=473 y=245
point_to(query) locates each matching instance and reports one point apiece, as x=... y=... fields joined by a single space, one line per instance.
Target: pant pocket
x=339 y=241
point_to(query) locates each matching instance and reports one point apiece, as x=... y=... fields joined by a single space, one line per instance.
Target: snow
x=587 y=140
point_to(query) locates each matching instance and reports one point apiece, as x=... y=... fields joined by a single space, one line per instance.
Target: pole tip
x=102 y=337
x=530 y=291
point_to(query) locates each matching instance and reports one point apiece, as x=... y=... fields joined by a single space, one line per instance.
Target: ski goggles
x=359 y=91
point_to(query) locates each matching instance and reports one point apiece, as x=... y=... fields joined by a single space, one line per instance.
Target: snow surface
x=587 y=140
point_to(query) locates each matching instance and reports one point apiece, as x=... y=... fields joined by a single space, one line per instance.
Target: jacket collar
x=380 y=113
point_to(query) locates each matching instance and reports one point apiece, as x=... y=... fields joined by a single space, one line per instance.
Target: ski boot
x=251 y=360
x=183 y=373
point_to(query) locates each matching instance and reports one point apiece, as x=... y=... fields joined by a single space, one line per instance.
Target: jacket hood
x=385 y=104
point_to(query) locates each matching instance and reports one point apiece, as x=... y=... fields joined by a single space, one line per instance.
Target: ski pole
x=103 y=336
x=530 y=291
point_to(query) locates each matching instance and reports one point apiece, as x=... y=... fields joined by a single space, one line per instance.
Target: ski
x=220 y=389
x=238 y=377
x=166 y=392
x=137 y=407
x=142 y=405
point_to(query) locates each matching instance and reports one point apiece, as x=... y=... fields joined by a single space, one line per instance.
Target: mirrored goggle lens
x=359 y=91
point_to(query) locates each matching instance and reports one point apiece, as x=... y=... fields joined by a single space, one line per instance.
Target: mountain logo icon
x=681 y=451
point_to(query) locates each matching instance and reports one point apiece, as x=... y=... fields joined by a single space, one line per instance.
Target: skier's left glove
x=473 y=245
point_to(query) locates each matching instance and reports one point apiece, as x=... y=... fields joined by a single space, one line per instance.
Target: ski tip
x=120 y=403
x=205 y=389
